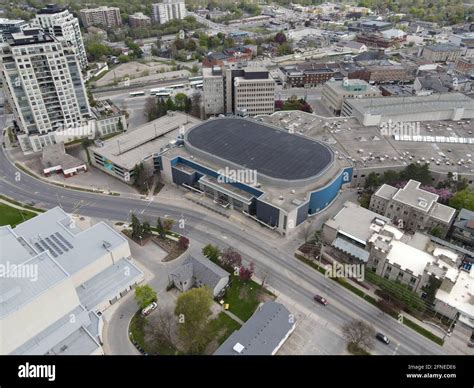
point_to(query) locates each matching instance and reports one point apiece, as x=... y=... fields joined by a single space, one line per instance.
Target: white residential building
x=60 y=23
x=58 y=276
x=168 y=10
x=44 y=87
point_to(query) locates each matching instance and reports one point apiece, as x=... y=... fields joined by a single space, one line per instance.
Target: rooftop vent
x=238 y=347
x=422 y=202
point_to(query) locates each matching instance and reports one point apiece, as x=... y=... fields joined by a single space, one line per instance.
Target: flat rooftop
x=73 y=248
x=461 y=296
x=408 y=257
x=127 y=149
x=400 y=105
x=55 y=155
x=367 y=147
x=258 y=146
x=355 y=221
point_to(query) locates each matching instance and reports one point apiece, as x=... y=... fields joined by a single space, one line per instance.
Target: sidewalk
x=371 y=292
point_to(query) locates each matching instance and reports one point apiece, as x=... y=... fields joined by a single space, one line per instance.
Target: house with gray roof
x=197 y=271
x=263 y=334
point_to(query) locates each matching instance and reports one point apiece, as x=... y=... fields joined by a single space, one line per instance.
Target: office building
x=377 y=111
x=442 y=52
x=168 y=10
x=239 y=90
x=44 y=87
x=309 y=74
x=412 y=208
x=336 y=92
x=364 y=237
x=101 y=16
x=252 y=91
x=62 y=24
x=213 y=90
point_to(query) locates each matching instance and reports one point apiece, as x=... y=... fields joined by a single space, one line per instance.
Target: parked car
x=382 y=338
x=148 y=309
x=320 y=299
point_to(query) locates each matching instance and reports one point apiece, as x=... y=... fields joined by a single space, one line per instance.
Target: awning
x=351 y=249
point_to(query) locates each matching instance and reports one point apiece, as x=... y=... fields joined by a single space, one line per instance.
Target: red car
x=320 y=299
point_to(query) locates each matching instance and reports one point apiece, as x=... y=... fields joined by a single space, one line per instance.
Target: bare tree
x=196 y=104
x=359 y=333
x=166 y=321
x=264 y=276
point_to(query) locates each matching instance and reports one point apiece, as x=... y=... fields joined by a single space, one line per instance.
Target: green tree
x=229 y=42
x=123 y=58
x=180 y=101
x=136 y=226
x=146 y=228
x=170 y=105
x=193 y=309
x=96 y=50
x=162 y=107
x=144 y=295
x=212 y=252
x=139 y=173
x=284 y=49
x=463 y=199
x=372 y=181
x=436 y=231
x=160 y=228
x=420 y=173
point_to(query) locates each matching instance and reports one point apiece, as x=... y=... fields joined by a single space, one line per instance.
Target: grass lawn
x=244 y=297
x=13 y=216
x=222 y=327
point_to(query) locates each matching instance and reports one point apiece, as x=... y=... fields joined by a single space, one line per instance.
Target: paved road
x=274 y=256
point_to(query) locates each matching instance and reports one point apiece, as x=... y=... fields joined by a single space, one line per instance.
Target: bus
x=177 y=86
x=161 y=91
x=196 y=84
x=136 y=94
x=191 y=79
x=162 y=94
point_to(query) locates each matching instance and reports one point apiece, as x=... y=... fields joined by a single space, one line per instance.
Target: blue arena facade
x=295 y=176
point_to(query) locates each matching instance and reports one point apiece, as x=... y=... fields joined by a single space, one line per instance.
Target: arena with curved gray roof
x=296 y=176
x=270 y=151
